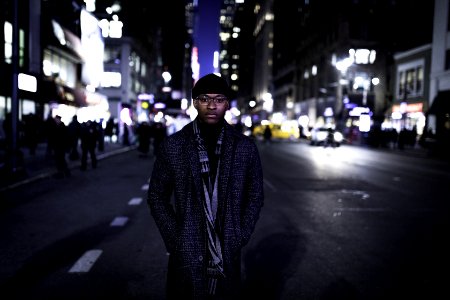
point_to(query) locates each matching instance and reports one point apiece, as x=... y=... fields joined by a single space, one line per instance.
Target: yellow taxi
x=287 y=130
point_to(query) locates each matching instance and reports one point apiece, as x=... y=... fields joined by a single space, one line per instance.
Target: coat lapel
x=192 y=153
x=225 y=163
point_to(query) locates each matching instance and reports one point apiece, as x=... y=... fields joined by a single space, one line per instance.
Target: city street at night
x=349 y=222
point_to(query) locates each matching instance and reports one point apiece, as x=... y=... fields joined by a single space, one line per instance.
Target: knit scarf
x=215 y=265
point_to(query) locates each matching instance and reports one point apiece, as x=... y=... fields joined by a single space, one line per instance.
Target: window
x=60 y=68
x=410 y=79
x=8 y=31
x=8 y=52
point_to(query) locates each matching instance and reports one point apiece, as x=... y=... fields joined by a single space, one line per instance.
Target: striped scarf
x=215 y=265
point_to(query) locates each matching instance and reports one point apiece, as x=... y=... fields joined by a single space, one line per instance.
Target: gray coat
x=175 y=199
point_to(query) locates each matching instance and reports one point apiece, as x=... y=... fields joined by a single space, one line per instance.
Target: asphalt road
x=338 y=223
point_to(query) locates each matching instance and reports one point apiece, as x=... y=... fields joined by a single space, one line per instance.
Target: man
x=215 y=177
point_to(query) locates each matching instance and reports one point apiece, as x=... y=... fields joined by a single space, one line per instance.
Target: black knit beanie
x=211 y=84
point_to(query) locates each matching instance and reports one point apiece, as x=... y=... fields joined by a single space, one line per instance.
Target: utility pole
x=15 y=151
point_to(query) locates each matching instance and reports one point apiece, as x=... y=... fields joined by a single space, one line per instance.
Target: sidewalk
x=41 y=165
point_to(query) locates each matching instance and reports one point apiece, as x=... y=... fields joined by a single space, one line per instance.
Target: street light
x=167 y=77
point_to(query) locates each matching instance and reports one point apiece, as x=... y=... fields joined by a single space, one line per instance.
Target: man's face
x=211 y=108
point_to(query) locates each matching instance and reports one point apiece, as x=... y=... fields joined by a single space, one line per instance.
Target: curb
x=72 y=165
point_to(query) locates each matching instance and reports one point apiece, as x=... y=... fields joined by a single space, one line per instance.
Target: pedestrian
x=144 y=132
x=74 y=137
x=60 y=147
x=159 y=133
x=215 y=176
x=89 y=138
x=267 y=134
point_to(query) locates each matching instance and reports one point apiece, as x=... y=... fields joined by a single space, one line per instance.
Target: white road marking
x=144 y=187
x=135 y=201
x=271 y=186
x=119 y=221
x=85 y=263
x=363 y=194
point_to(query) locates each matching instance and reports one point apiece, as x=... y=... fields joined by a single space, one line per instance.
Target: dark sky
x=208 y=35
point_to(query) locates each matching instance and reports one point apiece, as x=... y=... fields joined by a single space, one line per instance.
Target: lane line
x=119 y=221
x=135 y=201
x=86 y=261
x=144 y=187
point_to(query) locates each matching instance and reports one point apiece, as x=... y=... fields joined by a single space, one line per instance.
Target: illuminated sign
x=408 y=108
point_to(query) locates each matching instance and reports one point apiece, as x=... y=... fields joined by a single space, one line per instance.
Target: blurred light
x=159 y=105
x=252 y=103
x=344 y=64
x=364 y=123
x=184 y=104
x=149 y=97
x=248 y=121
x=158 y=117
x=375 y=81
x=396 y=115
x=314 y=70
x=228 y=116
x=277 y=118
x=111 y=79
x=115 y=27
x=216 y=61
x=303 y=121
x=306 y=74
x=338 y=137
x=362 y=56
x=268 y=102
x=372 y=56
x=125 y=116
x=166 y=76
x=359 y=110
x=116 y=7
x=328 y=112
x=90 y=5
x=267 y=97
x=235 y=111
x=27 y=83
x=90 y=88
x=195 y=66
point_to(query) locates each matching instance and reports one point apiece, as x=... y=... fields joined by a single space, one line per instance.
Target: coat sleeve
x=158 y=199
x=254 y=196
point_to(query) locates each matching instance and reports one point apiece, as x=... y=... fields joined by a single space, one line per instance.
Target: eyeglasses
x=206 y=100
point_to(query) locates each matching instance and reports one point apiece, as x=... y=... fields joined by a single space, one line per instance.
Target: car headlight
x=338 y=137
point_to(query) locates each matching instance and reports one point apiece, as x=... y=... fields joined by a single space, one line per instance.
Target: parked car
x=326 y=136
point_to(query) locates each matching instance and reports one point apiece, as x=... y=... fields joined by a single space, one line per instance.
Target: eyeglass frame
x=209 y=99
